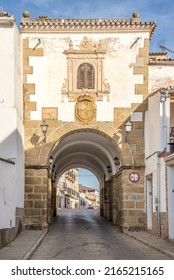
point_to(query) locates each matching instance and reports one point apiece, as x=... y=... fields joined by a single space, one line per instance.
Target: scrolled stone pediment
x=85 y=68
x=86 y=45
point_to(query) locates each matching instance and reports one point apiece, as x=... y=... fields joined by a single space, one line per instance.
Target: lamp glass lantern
x=50 y=160
x=128 y=126
x=116 y=160
x=109 y=169
x=44 y=127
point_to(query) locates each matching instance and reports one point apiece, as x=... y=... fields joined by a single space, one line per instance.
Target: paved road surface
x=81 y=234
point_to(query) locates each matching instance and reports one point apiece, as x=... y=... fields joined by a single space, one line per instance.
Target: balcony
x=62 y=186
x=171 y=139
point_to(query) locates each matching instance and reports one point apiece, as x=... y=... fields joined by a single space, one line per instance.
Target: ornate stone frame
x=93 y=54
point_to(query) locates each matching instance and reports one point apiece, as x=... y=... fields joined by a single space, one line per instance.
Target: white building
x=11 y=131
x=159 y=157
x=89 y=196
x=86 y=117
x=68 y=190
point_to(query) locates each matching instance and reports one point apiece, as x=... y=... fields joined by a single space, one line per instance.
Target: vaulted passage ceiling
x=86 y=150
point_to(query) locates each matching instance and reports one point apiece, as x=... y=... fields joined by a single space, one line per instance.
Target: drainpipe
x=164 y=124
x=163 y=99
x=158 y=194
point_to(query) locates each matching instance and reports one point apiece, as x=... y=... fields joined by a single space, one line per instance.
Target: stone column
x=101 y=201
x=110 y=202
x=106 y=199
x=49 y=201
x=36 y=194
x=117 y=203
x=128 y=199
x=132 y=199
x=53 y=202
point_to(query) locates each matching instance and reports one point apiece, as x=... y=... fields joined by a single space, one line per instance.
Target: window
x=85 y=76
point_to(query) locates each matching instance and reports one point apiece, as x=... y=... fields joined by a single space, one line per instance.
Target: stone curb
x=161 y=250
x=30 y=252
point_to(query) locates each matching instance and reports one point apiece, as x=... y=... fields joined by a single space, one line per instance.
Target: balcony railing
x=171 y=139
x=172 y=135
x=62 y=186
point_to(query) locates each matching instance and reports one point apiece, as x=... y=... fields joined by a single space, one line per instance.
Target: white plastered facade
x=11 y=130
x=50 y=71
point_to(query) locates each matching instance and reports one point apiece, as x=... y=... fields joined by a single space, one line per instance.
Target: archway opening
x=84 y=150
x=77 y=188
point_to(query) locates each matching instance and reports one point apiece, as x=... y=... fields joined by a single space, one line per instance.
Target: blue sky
x=87 y=178
x=150 y=10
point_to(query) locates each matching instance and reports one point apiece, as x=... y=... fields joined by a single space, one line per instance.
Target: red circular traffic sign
x=134 y=177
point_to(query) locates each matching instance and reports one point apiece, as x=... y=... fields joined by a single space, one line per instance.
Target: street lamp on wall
x=128 y=127
x=44 y=127
x=109 y=169
x=50 y=160
x=116 y=160
x=35 y=138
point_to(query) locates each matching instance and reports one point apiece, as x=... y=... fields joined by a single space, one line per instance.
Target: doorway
x=170 y=187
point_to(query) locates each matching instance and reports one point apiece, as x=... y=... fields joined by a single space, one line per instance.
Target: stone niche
x=87 y=54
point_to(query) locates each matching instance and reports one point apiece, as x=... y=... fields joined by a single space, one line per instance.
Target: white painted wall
x=50 y=71
x=156 y=167
x=154 y=145
x=152 y=126
x=7 y=191
x=160 y=76
x=11 y=129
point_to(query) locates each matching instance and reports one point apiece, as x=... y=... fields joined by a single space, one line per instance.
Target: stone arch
x=116 y=188
x=115 y=136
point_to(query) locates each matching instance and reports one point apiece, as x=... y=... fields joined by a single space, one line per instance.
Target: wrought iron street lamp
x=35 y=138
x=116 y=160
x=44 y=127
x=128 y=126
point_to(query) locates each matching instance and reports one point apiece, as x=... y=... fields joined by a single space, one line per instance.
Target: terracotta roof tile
x=44 y=23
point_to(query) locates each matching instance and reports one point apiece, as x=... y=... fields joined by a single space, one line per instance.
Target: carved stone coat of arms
x=85 y=110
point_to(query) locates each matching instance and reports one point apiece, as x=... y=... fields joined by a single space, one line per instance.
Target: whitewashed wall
x=11 y=129
x=50 y=71
x=154 y=145
x=156 y=167
x=160 y=76
x=157 y=126
x=152 y=126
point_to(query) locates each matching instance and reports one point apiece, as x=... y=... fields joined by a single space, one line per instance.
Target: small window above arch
x=85 y=71
x=85 y=76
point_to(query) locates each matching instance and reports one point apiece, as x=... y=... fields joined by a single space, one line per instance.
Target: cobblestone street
x=81 y=234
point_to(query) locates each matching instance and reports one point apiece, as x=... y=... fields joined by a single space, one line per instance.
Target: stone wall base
x=19 y=218
x=7 y=235
x=123 y=200
x=163 y=224
x=37 y=198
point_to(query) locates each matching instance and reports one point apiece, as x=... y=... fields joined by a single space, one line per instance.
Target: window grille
x=85 y=76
